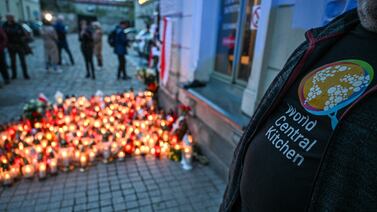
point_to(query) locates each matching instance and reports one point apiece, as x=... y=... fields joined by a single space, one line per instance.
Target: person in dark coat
x=60 y=29
x=120 y=49
x=17 y=45
x=87 y=48
x=3 y=64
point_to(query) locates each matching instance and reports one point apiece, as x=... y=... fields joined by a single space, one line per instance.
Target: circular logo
x=334 y=86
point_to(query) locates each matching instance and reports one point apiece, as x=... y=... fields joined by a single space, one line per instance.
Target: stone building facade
x=26 y=10
x=236 y=48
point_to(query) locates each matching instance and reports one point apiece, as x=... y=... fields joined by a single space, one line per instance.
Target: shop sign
x=255 y=17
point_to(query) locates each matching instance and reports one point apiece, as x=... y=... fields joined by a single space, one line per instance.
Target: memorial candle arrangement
x=76 y=132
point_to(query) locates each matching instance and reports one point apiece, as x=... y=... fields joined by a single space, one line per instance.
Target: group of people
x=55 y=41
x=15 y=39
x=90 y=37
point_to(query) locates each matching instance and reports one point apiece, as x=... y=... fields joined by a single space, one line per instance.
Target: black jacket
x=347 y=177
x=87 y=40
x=17 y=37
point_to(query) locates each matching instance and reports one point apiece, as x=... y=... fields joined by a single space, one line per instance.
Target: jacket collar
x=339 y=25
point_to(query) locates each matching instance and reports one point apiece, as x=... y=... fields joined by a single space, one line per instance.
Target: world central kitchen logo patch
x=334 y=86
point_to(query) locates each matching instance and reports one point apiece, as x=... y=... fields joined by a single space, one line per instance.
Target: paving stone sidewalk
x=136 y=184
x=71 y=81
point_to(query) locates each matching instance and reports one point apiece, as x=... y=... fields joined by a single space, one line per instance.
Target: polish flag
x=42 y=98
x=165 y=50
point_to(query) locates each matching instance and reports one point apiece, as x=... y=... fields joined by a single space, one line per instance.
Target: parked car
x=36 y=26
x=29 y=31
x=141 y=41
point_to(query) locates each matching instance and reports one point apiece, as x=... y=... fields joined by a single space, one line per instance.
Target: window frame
x=233 y=78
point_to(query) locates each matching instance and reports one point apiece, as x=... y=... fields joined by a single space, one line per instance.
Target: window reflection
x=248 y=40
x=227 y=36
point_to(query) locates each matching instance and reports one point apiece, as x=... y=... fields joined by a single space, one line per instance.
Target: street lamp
x=48 y=17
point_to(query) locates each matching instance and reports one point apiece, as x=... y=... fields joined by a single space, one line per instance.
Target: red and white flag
x=167 y=35
x=42 y=98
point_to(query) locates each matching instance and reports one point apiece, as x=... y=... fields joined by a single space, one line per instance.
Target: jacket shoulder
x=347 y=178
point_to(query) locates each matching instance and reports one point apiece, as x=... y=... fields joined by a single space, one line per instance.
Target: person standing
x=17 y=45
x=61 y=31
x=98 y=42
x=120 y=49
x=87 y=47
x=3 y=64
x=50 y=39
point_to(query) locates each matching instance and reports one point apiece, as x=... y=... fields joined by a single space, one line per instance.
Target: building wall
x=27 y=10
x=145 y=9
x=195 y=31
x=31 y=10
x=173 y=10
x=194 y=43
x=278 y=52
x=271 y=53
x=102 y=11
x=10 y=7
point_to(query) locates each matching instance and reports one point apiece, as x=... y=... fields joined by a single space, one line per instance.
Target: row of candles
x=78 y=131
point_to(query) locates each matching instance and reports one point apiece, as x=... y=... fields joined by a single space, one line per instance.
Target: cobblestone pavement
x=136 y=184
x=71 y=81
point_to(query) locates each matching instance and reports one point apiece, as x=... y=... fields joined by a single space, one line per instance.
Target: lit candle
x=128 y=148
x=49 y=136
x=15 y=170
x=144 y=150
x=77 y=155
x=92 y=156
x=42 y=170
x=7 y=178
x=121 y=155
x=53 y=166
x=106 y=152
x=54 y=144
x=28 y=171
x=44 y=143
x=64 y=157
x=137 y=151
x=157 y=151
x=38 y=149
x=114 y=147
x=186 y=161
x=83 y=162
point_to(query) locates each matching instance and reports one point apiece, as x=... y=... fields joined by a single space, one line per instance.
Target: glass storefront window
x=227 y=36
x=229 y=47
x=248 y=42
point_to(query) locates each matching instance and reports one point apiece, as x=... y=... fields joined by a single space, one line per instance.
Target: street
x=136 y=184
x=71 y=81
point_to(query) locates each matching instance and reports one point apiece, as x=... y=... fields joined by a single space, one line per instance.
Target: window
x=235 y=40
x=227 y=37
x=248 y=42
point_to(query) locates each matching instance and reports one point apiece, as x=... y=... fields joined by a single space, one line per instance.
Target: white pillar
x=250 y=95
